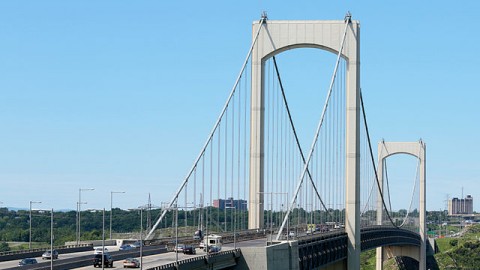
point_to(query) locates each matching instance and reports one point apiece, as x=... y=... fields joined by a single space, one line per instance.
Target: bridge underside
x=329 y=251
x=401 y=251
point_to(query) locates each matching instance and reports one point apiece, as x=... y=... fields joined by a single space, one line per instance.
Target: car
x=201 y=245
x=98 y=250
x=213 y=249
x=47 y=255
x=131 y=262
x=136 y=244
x=189 y=250
x=126 y=247
x=107 y=260
x=179 y=248
x=27 y=261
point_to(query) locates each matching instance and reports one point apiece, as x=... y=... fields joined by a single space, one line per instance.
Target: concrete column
x=352 y=163
x=381 y=149
x=257 y=126
x=423 y=196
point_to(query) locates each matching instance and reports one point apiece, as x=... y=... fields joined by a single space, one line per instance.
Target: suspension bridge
x=324 y=204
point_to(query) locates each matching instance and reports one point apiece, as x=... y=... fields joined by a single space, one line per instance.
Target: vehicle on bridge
x=99 y=250
x=189 y=250
x=131 y=263
x=213 y=240
x=179 y=248
x=27 y=261
x=213 y=249
x=126 y=247
x=107 y=260
x=47 y=255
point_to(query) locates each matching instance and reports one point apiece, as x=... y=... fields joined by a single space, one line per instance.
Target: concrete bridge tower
x=274 y=38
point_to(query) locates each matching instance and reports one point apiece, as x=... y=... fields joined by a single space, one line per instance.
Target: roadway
x=148 y=261
x=14 y=263
x=169 y=257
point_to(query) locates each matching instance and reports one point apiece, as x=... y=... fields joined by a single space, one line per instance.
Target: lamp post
x=51 y=240
x=111 y=208
x=30 y=231
x=175 y=207
x=141 y=238
x=80 y=210
x=103 y=239
x=141 y=233
x=176 y=234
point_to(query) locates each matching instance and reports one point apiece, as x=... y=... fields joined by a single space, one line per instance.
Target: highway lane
x=149 y=261
x=14 y=263
x=169 y=257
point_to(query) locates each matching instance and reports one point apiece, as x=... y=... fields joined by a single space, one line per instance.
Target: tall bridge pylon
x=418 y=150
x=339 y=37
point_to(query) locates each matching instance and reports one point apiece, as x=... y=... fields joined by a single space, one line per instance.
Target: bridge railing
x=220 y=260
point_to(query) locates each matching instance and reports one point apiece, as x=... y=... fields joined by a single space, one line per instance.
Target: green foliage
x=14 y=225
x=4 y=247
x=367 y=260
x=460 y=253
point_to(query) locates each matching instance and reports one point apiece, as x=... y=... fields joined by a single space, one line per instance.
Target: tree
x=4 y=247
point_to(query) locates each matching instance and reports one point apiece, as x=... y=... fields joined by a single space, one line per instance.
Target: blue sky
x=120 y=95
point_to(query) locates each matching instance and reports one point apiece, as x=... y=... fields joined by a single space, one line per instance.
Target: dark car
x=107 y=260
x=189 y=250
x=47 y=255
x=213 y=249
x=27 y=261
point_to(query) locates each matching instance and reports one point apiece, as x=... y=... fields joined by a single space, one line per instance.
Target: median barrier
x=21 y=254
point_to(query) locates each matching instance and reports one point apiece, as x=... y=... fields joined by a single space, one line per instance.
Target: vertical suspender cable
x=262 y=22
x=347 y=22
x=295 y=131
x=218 y=168
x=372 y=159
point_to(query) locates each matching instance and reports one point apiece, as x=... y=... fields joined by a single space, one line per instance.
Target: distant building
x=230 y=203
x=458 y=206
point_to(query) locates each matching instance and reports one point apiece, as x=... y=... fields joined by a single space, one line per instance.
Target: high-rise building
x=230 y=203
x=460 y=206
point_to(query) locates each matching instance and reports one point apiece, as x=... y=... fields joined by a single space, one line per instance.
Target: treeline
x=14 y=225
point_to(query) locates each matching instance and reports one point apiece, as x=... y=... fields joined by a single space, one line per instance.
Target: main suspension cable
x=295 y=134
x=373 y=160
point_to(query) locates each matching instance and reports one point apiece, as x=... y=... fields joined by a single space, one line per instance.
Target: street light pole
x=30 y=231
x=103 y=239
x=141 y=238
x=111 y=209
x=80 y=210
x=51 y=240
